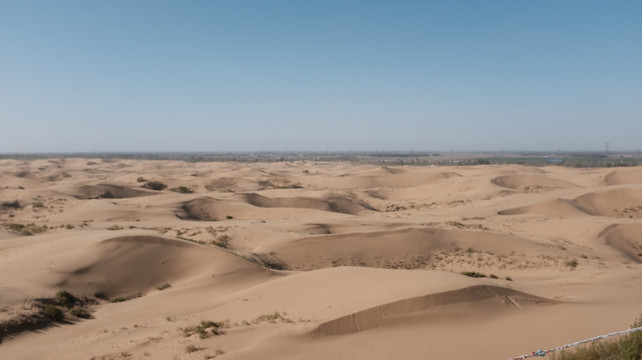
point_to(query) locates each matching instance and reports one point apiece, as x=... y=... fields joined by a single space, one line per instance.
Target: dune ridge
x=372 y=317
x=611 y=203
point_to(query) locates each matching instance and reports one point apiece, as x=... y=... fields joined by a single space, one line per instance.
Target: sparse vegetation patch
x=627 y=347
x=164 y=286
x=25 y=229
x=182 y=190
x=155 y=185
x=205 y=329
x=64 y=307
x=473 y=274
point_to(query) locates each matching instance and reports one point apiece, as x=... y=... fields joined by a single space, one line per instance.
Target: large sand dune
x=620 y=203
x=313 y=260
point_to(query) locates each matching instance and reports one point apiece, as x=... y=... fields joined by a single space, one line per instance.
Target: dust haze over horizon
x=140 y=76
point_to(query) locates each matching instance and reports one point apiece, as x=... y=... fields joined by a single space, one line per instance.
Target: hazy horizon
x=314 y=76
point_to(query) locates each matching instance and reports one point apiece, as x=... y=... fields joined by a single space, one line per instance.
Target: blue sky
x=100 y=76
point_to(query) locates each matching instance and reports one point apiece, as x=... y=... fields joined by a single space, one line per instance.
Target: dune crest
x=373 y=317
x=626 y=238
x=332 y=203
x=532 y=183
x=618 y=203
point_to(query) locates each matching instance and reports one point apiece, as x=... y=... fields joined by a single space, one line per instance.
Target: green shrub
x=273 y=318
x=64 y=298
x=26 y=230
x=215 y=328
x=81 y=313
x=473 y=274
x=627 y=347
x=155 y=185
x=53 y=312
x=164 y=286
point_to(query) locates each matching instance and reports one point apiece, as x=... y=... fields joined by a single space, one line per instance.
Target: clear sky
x=272 y=75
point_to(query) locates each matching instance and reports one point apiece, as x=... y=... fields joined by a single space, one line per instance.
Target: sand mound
x=614 y=203
x=335 y=203
x=202 y=209
x=108 y=191
x=409 y=248
x=627 y=238
x=620 y=177
x=18 y=182
x=393 y=178
x=318 y=229
x=554 y=208
x=622 y=203
x=379 y=315
x=531 y=183
x=133 y=264
x=231 y=184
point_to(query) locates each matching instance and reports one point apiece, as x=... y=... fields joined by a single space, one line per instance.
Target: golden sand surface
x=314 y=260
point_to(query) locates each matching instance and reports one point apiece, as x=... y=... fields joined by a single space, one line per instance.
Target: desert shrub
x=223 y=241
x=11 y=205
x=38 y=204
x=215 y=328
x=115 y=227
x=155 y=185
x=572 y=264
x=164 y=286
x=81 y=313
x=64 y=298
x=493 y=276
x=182 y=190
x=192 y=348
x=473 y=274
x=26 y=230
x=273 y=318
x=53 y=312
x=106 y=195
x=126 y=298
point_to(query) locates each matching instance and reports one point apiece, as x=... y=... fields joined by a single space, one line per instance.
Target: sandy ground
x=305 y=260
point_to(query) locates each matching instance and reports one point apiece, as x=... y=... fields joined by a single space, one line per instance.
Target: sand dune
x=376 y=316
x=316 y=260
x=615 y=203
x=410 y=248
x=373 y=177
x=622 y=177
x=133 y=264
x=531 y=183
x=108 y=191
x=627 y=238
x=553 y=208
x=620 y=203
x=332 y=203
